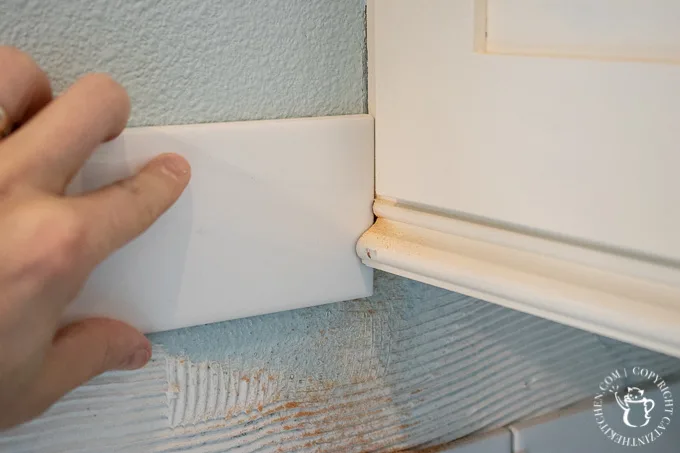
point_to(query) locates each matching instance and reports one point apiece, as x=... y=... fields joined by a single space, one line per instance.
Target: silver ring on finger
x=5 y=123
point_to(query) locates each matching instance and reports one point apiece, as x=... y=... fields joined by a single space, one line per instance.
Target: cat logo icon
x=643 y=409
x=635 y=403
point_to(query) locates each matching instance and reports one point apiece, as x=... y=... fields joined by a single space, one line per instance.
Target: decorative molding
x=268 y=223
x=629 y=298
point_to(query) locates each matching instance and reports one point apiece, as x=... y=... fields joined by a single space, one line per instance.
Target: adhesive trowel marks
x=260 y=411
x=410 y=369
x=311 y=368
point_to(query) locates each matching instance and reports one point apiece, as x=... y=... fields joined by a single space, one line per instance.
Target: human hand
x=49 y=243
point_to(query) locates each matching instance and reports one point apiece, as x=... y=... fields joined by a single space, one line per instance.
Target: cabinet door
x=527 y=152
x=541 y=114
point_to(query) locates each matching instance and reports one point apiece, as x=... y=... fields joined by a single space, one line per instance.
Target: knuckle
x=131 y=186
x=63 y=244
x=106 y=359
x=147 y=211
x=58 y=235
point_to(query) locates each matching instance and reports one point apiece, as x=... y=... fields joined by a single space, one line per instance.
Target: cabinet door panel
x=584 y=147
x=638 y=30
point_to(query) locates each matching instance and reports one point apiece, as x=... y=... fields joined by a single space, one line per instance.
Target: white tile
x=576 y=432
x=496 y=442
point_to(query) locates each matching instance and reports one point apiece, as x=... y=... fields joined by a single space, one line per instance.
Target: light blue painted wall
x=188 y=61
x=452 y=365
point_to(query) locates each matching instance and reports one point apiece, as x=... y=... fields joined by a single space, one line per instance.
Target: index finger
x=116 y=214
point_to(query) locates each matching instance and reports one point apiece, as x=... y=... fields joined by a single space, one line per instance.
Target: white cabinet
x=527 y=153
x=579 y=147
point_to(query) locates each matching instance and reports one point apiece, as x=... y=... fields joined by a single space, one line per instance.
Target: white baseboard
x=269 y=222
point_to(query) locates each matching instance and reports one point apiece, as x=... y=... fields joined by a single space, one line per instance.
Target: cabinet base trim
x=622 y=297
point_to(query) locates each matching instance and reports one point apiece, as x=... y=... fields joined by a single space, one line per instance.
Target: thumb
x=81 y=351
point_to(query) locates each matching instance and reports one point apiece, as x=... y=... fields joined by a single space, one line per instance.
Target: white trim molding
x=268 y=223
x=630 y=298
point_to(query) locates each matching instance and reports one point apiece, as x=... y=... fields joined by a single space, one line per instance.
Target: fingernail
x=176 y=166
x=138 y=359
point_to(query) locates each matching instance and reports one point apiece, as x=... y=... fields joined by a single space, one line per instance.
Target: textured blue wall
x=198 y=61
